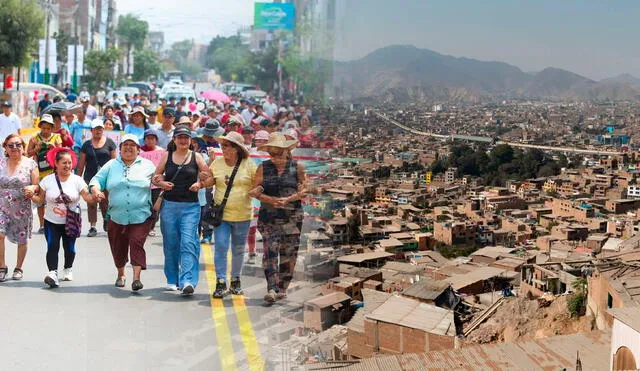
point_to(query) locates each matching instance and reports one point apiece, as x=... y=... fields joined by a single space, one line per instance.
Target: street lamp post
x=46 y=46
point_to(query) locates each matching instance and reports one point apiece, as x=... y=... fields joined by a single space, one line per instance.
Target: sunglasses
x=14 y=145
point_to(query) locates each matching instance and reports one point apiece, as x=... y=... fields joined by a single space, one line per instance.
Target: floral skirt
x=16 y=223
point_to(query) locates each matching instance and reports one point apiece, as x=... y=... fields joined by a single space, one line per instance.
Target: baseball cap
x=168 y=112
x=130 y=137
x=97 y=123
x=248 y=129
x=46 y=118
x=149 y=132
x=6 y=103
x=181 y=130
x=262 y=135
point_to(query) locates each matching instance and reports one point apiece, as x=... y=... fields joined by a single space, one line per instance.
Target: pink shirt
x=153 y=156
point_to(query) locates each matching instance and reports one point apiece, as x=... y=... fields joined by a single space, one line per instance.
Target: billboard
x=274 y=16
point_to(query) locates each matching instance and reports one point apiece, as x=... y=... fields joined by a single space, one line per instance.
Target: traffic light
x=8 y=82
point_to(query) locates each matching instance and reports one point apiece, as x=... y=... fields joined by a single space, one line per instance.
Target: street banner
x=53 y=56
x=274 y=16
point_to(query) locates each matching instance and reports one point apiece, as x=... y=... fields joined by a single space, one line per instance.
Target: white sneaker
x=171 y=288
x=67 y=274
x=51 y=279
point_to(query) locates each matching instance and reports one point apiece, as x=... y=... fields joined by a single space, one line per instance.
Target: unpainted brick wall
x=414 y=341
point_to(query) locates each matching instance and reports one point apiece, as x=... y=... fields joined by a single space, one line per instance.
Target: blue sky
x=594 y=38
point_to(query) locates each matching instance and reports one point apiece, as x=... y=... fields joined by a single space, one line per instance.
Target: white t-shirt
x=270 y=109
x=56 y=212
x=8 y=125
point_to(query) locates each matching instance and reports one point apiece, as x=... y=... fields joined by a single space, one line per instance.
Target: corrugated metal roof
x=329 y=299
x=359 y=258
x=629 y=316
x=426 y=289
x=554 y=353
x=459 y=281
x=414 y=314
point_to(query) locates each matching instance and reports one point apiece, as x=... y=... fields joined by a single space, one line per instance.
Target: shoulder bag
x=73 y=223
x=213 y=213
x=158 y=204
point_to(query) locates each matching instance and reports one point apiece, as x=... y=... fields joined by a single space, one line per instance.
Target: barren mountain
x=398 y=73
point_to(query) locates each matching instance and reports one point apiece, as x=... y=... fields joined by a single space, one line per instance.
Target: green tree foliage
x=179 y=55
x=502 y=163
x=132 y=32
x=576 y=303
x=229 y=57
x=146 y=64
x=99 y=66
x=62 y=40
x=21 y=25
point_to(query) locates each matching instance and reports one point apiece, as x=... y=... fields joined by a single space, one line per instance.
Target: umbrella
x=216 y=95
x=63 y=108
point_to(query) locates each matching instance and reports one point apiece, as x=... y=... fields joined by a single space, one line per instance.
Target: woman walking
x=152 y=152
x=38 y=148
x=280 y=185
x=61 y=191
x=95 y=153
x=177 y=174
x=137 y=123
x=236 y=219
x=18 y=183
x=127 y=180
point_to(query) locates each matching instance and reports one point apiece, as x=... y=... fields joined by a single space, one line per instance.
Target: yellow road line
x=219 y=316
x=254 y=358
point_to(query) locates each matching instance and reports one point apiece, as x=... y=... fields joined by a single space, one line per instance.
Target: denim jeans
x=234 y=234
x=179 y=227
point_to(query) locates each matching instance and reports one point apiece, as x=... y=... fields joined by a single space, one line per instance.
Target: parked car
x=143 y=87
x=177 y=91
x=25 y=101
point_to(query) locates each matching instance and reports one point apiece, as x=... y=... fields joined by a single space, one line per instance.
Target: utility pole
x=46 y=46
x=74 y=84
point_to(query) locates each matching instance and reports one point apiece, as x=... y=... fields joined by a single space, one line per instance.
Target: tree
x=62 y=40
x=21 y=25
x=229 y=61
x=146 y=64
x=132 y=32
x=179 y=54
x=99 y=65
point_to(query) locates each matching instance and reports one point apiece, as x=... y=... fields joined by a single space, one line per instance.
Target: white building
x=625 y=338
x=633 y=191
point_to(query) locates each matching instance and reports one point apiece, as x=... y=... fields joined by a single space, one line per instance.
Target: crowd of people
x=170 y=165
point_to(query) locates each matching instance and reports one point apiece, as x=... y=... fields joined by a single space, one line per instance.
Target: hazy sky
x=594 y=38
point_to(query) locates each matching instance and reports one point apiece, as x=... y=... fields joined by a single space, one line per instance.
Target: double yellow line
x=227 y=355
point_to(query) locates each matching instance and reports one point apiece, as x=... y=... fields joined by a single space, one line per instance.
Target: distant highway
x=491 y=140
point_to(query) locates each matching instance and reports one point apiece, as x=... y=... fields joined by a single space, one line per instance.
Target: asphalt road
x=89 y=324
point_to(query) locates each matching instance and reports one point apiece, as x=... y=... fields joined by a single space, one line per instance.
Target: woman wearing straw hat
x=62 y=191
x=235 y=170
x=137 y=123
x=280 y=185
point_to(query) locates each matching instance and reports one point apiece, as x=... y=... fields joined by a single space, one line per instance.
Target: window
x=609 y=301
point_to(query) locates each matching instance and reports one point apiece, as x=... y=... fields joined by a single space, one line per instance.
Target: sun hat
x=212 y=128
x=278 y=140
x=51 y=156
x=181 y=130
x=131 y=137
x=235 y=138
x=262 y=135
x=138 y=109
x=184 y=120
x=97 y=123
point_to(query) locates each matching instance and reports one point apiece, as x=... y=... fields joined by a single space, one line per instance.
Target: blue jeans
x=179 y=227
x=234 y=234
